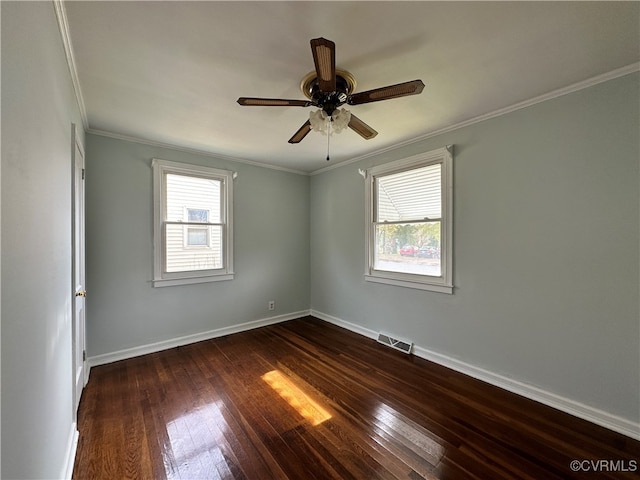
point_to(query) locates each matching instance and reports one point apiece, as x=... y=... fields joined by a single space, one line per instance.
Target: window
x=192 y=224
x=409 y=222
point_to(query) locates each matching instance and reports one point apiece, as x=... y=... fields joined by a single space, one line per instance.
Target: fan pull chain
x=328 y=137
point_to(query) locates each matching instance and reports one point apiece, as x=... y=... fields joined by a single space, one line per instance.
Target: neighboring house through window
x=196 y=236
x=193 y=224
x=409 y=209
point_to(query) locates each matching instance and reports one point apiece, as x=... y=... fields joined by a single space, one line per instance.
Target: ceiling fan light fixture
x=340 y=119
x=328 y=125
x=319 y=121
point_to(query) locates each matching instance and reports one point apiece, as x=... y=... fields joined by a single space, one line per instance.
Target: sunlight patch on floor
x=304 y=405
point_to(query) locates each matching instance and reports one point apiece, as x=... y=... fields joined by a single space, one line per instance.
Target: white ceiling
x=171 y=72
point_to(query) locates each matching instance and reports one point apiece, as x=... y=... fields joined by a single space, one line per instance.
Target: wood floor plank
x=305 y=399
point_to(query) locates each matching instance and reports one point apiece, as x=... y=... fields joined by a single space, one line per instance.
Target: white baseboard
x=70 y=457
x=343 y=323
x=572 y=407
x=187 y=339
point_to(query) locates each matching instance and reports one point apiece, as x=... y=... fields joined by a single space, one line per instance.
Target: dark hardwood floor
x=308 y=400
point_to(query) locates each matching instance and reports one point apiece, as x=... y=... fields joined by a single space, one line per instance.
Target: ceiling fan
x=328 y=88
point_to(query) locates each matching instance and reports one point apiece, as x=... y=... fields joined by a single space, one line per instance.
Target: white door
x=79 y=292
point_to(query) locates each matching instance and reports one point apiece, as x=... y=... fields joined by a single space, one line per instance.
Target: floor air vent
x=402 y=345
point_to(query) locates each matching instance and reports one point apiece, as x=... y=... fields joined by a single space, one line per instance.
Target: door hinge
x=83 y=174
x=84 y=355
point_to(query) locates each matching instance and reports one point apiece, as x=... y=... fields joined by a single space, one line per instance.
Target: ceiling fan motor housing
x=328 y=101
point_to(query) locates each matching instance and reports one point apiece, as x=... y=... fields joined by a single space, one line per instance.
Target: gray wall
x=271 y=250
x=38 y=108
x=546 y=249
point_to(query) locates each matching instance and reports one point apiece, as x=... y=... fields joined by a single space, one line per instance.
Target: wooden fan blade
x=361 y=128
x=301 y=133
x=385 y=93
x=324 y=58
x=272 y=102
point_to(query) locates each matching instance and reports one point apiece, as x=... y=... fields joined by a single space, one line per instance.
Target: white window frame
x=443 y=283
x=162 y=278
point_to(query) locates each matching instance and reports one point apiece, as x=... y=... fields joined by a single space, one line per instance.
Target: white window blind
x=412 y=195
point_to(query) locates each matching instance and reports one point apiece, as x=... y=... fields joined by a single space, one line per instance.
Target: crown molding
x=194 y=151
x=590 y=82
x=63 y=27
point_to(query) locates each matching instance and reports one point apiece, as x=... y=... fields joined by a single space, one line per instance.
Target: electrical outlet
x=272 y=304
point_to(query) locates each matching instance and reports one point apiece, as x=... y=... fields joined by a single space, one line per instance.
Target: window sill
x=432 y=287
x=170 y=282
